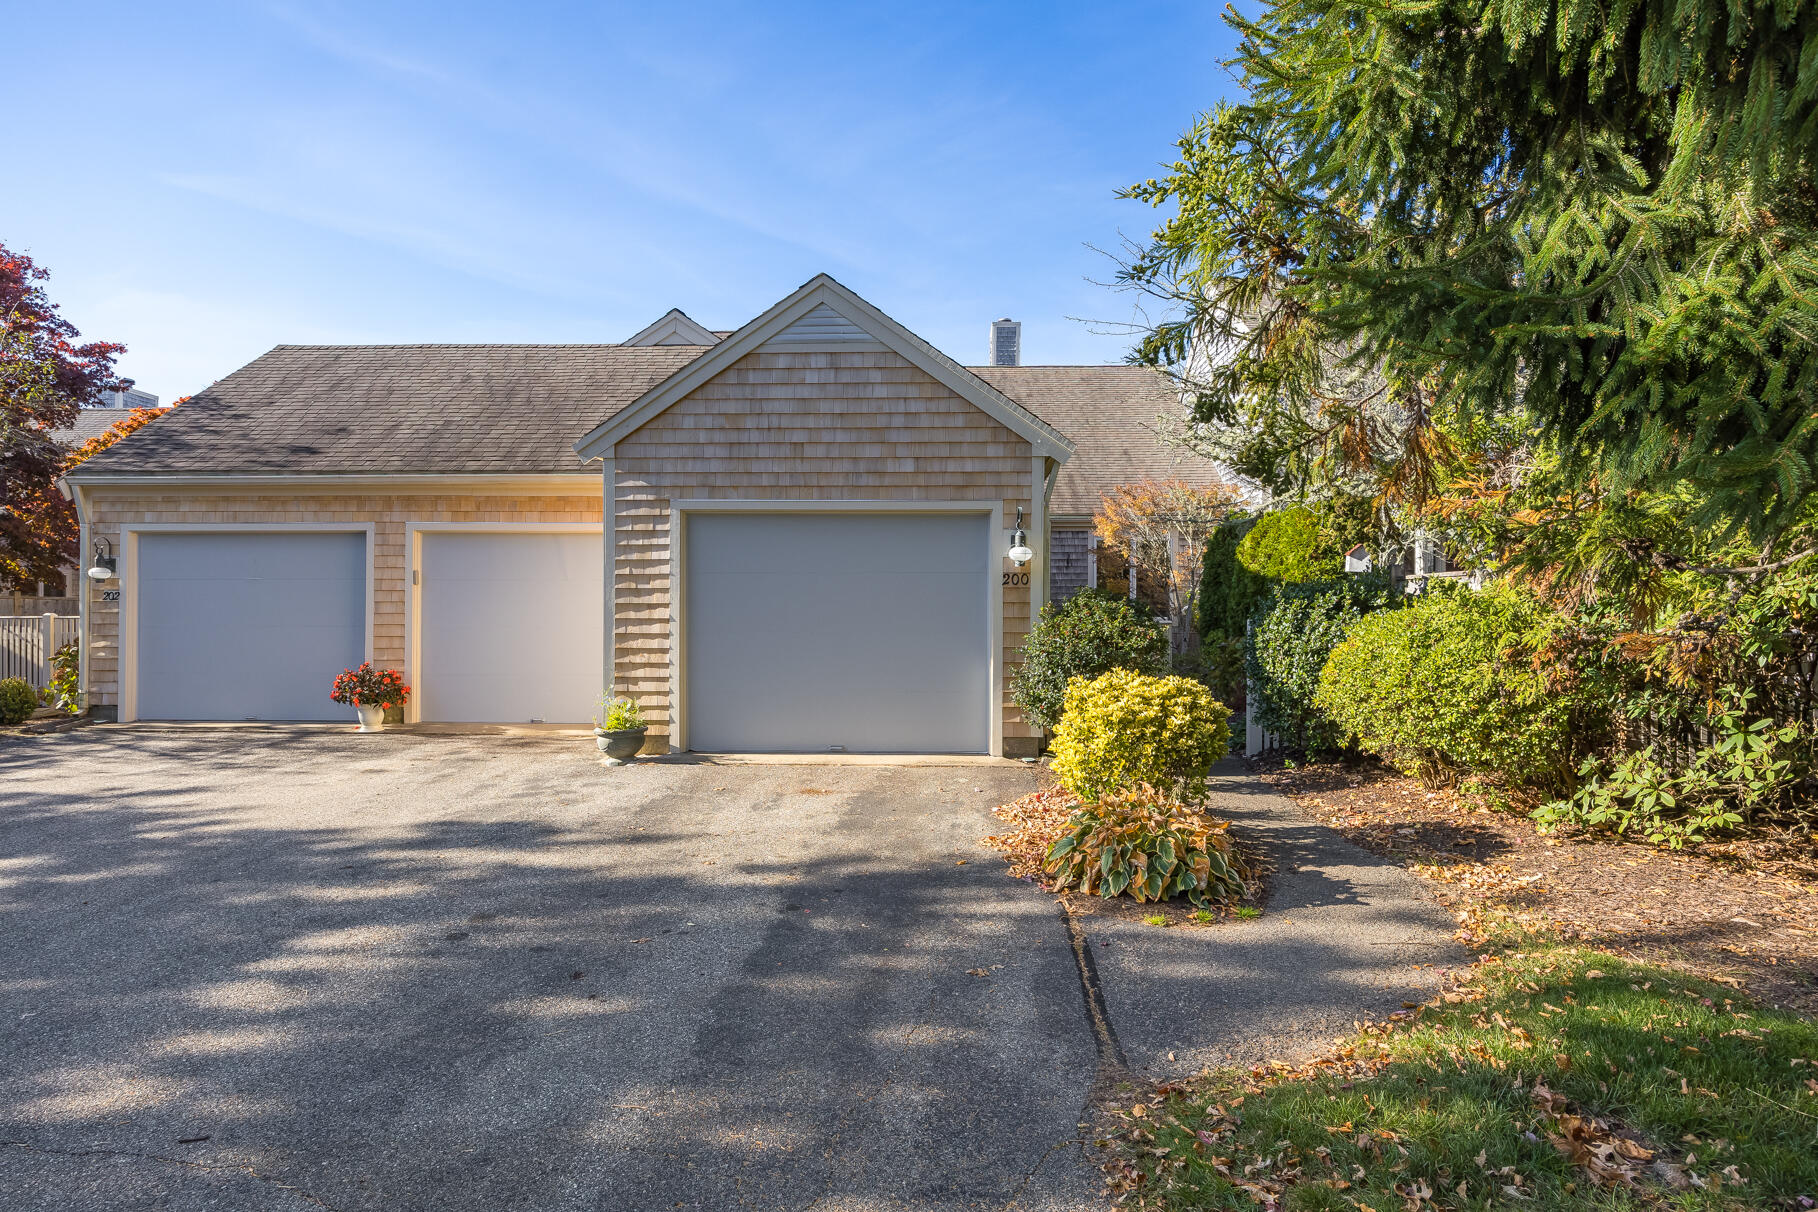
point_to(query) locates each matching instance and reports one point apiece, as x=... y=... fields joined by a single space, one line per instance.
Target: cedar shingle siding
x=797 y=426
x=1069 y=554
x=487 y=433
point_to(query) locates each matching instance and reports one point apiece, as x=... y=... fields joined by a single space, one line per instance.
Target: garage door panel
x=247 y=625
x=512 y=627
x=863 y=632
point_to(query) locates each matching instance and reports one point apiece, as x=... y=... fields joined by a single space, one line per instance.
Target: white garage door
x=248 y=625
x=513 y=627
x=809 y=633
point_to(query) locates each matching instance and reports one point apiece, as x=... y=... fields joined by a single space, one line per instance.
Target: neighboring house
x=129 y=399
x=57 y=596
x=806 y=523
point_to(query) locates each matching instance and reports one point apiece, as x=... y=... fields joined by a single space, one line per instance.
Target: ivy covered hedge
x=1288 y=643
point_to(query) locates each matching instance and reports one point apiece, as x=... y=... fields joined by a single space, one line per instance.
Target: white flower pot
x=372 y=719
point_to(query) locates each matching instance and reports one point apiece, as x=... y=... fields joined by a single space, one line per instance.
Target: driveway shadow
x=488 y=974
x=1345 y=935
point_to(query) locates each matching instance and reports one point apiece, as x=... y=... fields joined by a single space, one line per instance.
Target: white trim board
x=413 y=598
x=823 y=291
x=128 y=556
x=678 y=589
x=582 y=483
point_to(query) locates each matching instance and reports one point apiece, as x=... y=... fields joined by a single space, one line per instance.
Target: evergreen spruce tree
x=1587 y=222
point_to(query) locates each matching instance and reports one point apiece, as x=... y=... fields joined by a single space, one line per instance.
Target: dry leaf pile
x=1035 y=822
x=1745 y=912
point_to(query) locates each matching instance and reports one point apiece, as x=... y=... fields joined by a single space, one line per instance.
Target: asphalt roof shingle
x=517 y=410
x=1110 y=412
x=90 y=423
x=376 y=409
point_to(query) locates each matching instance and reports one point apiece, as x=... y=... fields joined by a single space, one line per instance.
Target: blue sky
x=214 y=179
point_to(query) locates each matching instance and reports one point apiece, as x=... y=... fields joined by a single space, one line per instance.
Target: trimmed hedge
x=1123 y=728
x=1090 y=633
x=1289 y=641
x=1229 y=593
x=17 y=700
x=1447 y=685
x=1288 y=545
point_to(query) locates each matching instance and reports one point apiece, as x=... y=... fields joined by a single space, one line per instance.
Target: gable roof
x=321 y=410
x=822 y=312
x=1111 y=413
x=673 y=327
x=378 y=409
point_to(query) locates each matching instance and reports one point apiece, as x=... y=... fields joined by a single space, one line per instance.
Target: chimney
x=1006 y=343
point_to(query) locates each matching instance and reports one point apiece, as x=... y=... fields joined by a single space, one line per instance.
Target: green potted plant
x=618 y=729
x=369 y=692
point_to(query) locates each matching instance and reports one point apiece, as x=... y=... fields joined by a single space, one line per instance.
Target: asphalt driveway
x=267 y=970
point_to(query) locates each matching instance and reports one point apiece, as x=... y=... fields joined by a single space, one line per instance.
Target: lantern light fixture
x=103 y=567
x=1019 y=552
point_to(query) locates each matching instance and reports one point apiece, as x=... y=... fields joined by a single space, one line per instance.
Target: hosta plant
x=1141 y=842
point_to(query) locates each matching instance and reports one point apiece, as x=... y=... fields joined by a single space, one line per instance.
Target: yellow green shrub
x=1122 y=728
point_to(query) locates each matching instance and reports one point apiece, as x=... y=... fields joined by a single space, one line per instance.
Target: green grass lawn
x=1559 y=1078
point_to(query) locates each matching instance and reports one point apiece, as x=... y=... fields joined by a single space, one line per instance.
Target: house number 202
x=1016 y=578
x=110 y=595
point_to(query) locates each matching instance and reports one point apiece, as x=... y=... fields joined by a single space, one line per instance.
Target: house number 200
x=1016 y=578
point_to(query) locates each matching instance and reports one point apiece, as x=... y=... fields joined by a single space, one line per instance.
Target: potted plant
x=370 y=691
x=618 y=729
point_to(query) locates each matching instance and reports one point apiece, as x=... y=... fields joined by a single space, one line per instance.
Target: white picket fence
x=28 y=642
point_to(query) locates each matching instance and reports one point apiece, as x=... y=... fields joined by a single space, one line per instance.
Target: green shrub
x=617 y=715
x=66 y=678
x=1289 y=641
x=1091 y=633
x=17 y=700
x=1123 y=728
x=1217 y=664
x=1449 y=685
x=1753 y=767
x=1288 y=545
x=1141 y=842
x=1229 y=593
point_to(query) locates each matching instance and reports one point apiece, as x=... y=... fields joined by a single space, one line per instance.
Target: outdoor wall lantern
x=1019 y=542
x=103 y=567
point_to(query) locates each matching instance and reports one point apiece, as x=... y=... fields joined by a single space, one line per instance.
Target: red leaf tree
x=46 y=373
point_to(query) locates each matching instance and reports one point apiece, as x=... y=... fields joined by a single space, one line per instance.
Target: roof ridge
x=477 y=345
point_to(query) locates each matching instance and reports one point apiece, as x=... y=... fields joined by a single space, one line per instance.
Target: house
x=129 y=399
x=807 y=524
x=56 y=596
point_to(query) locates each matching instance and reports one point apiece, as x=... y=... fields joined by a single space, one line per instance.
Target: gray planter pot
x=619 y=744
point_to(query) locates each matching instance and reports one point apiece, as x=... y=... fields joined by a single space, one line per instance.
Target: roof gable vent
x=821 y=328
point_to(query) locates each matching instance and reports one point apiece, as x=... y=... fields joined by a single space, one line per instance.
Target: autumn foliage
x=47 y=373
x=1162 y=527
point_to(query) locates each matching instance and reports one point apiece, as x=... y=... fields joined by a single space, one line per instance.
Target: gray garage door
x=513 y=626
x=814 y=632
x=247 y=625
